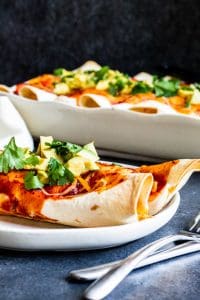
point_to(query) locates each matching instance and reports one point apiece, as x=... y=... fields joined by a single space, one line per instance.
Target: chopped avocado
x=102 y=85
x=91 y=148
x=88 y=152
x=195 y=99
x=80 y=165
x=61 y=88
x=45 y=151
x=76 y=165
x=43 y=176
x=87 y=155
x=42 y=165
x=42 y=145
x=183 y=92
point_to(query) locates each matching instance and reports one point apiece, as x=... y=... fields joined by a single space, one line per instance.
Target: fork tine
x=194 y=226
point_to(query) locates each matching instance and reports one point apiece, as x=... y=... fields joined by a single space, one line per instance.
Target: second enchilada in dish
x=94 y=86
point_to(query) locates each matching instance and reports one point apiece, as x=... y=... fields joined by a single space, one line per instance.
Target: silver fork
x=93 y=273
x=105 y=284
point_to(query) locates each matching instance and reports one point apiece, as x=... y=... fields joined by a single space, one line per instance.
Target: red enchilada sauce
x=15 y=199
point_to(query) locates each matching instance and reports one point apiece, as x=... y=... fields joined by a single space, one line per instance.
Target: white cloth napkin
x=12 y=124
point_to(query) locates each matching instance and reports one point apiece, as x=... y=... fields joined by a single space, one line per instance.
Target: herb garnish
x=165 y=87
x=46 y=169
x=58 y=72
x=187 y=103
x=14 y=157
x=32 y=181
x=32 y=160
x=58 y=174
x=100 y=74
x=115 y=87
x=141 y=87
x=65 y=149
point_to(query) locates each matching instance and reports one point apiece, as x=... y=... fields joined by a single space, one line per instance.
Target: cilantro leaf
x=32 y=181
x=101 y=74
x=141 y=87
x=188 y=103
x=65 y=149
x=32 y=160
x=12 y=157
x=58 y=174
x=166 y=87
x=115 y=87
x=58 y=72
x=112 y=89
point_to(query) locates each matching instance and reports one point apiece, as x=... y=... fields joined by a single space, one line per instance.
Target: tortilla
x=171 y=177
x=140 y=193
x=94 y=101
x=33 y=93
x=147 y=106
x=111 y=204
x=119 y=205
x=89 y=65
x=4 y=88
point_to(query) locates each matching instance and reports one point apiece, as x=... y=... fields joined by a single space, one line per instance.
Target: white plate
x=21 y=234
x=159 y=135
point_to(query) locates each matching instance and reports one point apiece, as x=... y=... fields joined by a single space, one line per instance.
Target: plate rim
x=94 y=235
x=62 y=232
x=175 y=200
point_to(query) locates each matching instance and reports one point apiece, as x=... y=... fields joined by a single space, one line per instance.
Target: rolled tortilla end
x=121 y=204
x=4 y=88
x=94 y=101
x=145 y=110
x=146 y=77
x=178 y=176
x=34 y=93
x=147 y=107
x=89 y=65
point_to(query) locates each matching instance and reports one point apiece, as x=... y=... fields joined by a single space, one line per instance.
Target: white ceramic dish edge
x=161 y=135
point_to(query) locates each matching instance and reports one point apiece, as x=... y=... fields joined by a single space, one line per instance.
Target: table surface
x=43 y=275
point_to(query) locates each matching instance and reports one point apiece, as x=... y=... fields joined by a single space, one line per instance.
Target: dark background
x=131 y=35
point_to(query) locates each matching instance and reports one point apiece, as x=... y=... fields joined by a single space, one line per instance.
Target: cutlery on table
x=92 y=273
x=112 y=274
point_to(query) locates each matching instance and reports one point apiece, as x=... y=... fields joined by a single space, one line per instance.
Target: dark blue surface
x=39 y=276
